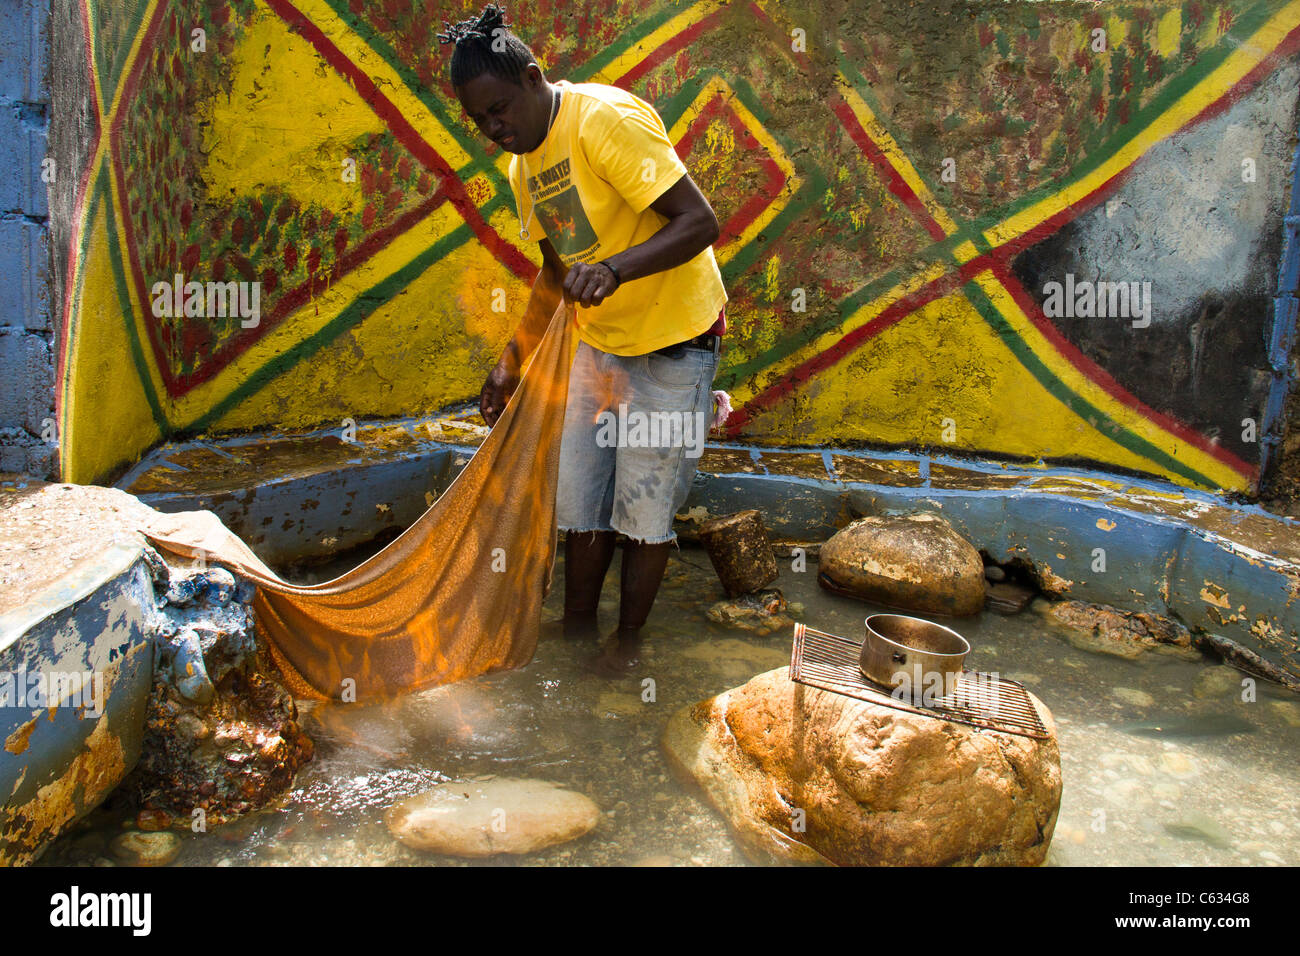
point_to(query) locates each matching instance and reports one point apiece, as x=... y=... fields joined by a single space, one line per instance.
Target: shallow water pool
x=1162 y=761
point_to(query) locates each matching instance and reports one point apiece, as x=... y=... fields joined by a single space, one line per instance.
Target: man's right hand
x=500 y=385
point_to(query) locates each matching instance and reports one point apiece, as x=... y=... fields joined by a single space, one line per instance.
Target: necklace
x=555 y=112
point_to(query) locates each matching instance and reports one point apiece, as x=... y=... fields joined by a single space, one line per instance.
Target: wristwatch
x=618 y=279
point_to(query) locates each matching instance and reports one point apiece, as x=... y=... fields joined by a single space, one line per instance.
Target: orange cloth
x=458 y=594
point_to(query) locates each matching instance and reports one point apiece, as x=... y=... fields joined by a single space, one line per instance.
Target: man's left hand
x=589 y=284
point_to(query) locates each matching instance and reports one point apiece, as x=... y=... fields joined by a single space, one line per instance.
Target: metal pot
x=914 y=657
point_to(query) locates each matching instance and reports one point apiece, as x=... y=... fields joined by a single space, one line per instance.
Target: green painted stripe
x=360 y=308
x=939 y=253
x=83 y=245
x=138 y=356
x=755 y=104
x=470 y=144
x=645 y=27
x=1242 y=26
x=748 y=254
x=1081 y=407
x=109 y=63
x=1176 y=87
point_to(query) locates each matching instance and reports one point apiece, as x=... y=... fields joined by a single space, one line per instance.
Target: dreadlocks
x=486 y=45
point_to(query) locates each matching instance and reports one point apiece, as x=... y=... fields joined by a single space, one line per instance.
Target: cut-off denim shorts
x=634 y=427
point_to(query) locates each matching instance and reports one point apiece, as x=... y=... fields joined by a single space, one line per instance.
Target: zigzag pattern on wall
x=226 y=165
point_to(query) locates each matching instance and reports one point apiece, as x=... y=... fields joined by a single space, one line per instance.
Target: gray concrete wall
x=27 y=347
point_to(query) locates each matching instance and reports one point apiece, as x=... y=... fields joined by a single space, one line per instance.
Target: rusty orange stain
x=17 y=742
x=1213 y=594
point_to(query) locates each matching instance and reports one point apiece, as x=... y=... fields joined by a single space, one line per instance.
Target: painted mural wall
x=1039 y=230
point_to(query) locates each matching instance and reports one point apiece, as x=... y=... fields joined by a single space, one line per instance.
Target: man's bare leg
x=587 y=556
x=642 y=573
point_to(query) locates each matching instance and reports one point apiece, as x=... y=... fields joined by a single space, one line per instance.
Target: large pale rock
x=877 y=786
x=910 y=562
x=497 y=816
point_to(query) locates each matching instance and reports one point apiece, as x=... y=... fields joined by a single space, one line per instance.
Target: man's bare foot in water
x=572 y=628
x=619 y=656
x=579 y=627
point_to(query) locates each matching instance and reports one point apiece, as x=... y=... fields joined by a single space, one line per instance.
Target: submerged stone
x=1197 y=826
x=145 y=849
x=730 y=649
x=1108 y=630
x=762 y=612
x=1287 y=710
x=1008 y=597
x=491 y=817
x=618 y=705
x=1247 y=661
x=1217 y=682
x=1137 y=698
x=1202 y=725
x=910 y=562
x=808 y=776
x=152 y=821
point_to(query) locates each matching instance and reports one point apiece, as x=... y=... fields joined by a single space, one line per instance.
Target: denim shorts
x=634 y=428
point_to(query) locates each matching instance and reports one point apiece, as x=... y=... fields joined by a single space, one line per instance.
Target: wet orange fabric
x=458 y=594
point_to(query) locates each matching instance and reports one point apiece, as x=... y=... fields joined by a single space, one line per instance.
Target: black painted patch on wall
x=1206 y=366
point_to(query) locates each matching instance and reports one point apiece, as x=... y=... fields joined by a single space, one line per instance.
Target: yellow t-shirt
x=590 y=186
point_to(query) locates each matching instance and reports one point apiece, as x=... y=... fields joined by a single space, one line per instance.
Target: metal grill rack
x=830 y=662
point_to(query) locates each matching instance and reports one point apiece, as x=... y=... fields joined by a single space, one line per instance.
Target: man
x=627 y=237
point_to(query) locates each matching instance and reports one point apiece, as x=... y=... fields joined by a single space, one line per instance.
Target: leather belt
x=707 y=341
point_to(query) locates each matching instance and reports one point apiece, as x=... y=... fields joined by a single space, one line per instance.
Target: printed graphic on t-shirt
x=560 y=211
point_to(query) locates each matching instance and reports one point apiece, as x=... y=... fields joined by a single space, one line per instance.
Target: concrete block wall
x=28 y=440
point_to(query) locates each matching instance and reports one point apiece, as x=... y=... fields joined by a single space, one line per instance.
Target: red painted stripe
x=667 y=49
x=897 y=185
x=780 y=37
x=301 y=294
x=751 y=209
x=406 y=134
x=893 y=314
x=79 y=226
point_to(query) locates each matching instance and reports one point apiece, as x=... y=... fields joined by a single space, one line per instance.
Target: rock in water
x=1197 y=826
x=1217 y=682
x=911 y=562
x=145 y=849
x=496 y=816
x=1008 y=597
x=876 y=786
x=761 y=611
x=1244 y=659
x=741 y=553
x=1201 y=725
x=1126 y=634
